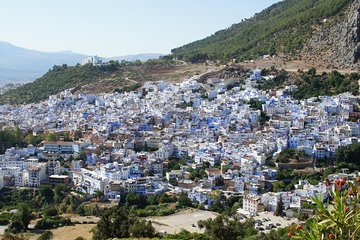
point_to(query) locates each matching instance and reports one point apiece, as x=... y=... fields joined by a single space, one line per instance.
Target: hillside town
x=187 y=137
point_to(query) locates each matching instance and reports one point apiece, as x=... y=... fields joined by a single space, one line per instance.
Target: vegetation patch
x=282 y=28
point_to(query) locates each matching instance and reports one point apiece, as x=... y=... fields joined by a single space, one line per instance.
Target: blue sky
x=118 y=27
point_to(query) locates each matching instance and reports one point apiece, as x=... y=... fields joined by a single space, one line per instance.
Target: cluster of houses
x=20 y=167
x=129 y=141
x=295 y=202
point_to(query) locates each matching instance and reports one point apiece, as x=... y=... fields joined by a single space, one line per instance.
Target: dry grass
x=69 y=232
x=292 y=65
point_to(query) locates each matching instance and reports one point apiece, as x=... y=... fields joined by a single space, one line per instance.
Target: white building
x=95 y=60
x=139 y=185
x=115 y=172
x=157 y=168
x=59 y=147
x=90 y=181
x=319 y=152
x=53 y=167
x=22 y=179
x=113 y=195
x=200 y=195
x=36 y=174
x=165 y=151
x=174 y=174
x=252 y=204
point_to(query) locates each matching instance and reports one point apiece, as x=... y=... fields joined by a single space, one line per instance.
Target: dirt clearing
x=183 y=220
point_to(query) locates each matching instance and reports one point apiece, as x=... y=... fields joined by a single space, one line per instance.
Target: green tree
x=81 y=210
x=263 y=118
x=278 y=234
x=256 y=105
x=25 y=216
x=77 y=135
x=50 y=212
x=279 y=207
x=30 y=139
x=99 y=195
x=67 y=136
x=184 y=201
x=133 y=199
x=225 y=228
x=51 y=137
x=348 y=154
x=60 y=191
x=119 y=223
x=21 y=219
x=103 y=227
x=219 y=181
x=11 y=138
x=312 y=72
x=278 y=186
x=186 y=235
x=142 y=229
x=173 y=182
x=46 y=193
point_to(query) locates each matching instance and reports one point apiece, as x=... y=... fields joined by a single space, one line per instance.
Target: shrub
x=51 y=212
x=52 y=222
x=79 y=238
x=47 y=235
x=5 y=218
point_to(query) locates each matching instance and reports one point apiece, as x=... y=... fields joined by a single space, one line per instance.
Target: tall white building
x=90 y=181
x=37 y=174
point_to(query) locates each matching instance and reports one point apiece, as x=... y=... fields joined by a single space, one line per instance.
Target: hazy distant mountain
x=20 y=65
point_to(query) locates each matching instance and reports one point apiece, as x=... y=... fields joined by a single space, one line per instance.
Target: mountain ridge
x=22 y=65
x=285 y=27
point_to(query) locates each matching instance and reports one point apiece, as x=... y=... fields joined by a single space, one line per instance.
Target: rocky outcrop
x=229 y=72
x=336 y=44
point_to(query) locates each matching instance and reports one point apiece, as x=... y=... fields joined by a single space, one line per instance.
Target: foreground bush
x=339 y=219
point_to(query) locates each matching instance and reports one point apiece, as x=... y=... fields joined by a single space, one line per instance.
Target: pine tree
x=279 y=207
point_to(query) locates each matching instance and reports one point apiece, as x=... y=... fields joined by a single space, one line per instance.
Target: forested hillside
x=110 y=77
x=312 y=84
x=123 y=76
x=58 y=79
x=282 y=28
